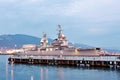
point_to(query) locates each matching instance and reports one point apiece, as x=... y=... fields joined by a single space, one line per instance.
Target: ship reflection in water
x=61 y=73
x=42 y=72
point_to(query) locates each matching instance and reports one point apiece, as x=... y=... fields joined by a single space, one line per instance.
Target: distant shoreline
x=5 y=54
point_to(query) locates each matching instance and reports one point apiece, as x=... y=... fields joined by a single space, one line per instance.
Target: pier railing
x=94 y=58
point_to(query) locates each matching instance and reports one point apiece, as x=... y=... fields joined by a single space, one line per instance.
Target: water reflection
x=12 y=74
x=43 y=74
x=40 y=72
x=32 y=78
x=12 y=71
x=46 y=70
x=6 y=70
x=61 y=73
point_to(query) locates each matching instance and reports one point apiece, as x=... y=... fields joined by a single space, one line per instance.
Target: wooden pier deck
x=69 y=60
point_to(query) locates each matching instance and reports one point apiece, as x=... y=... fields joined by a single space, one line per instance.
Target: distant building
x=11 y=51
x=29 y=47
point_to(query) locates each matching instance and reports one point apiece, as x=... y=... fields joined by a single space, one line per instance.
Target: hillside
x=10 y=41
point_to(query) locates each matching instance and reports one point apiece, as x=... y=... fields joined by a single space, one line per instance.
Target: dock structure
x=69 y=60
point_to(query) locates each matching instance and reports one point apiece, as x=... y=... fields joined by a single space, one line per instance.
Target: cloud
x=94 y=9
x=84 y=9
x=12 y=1
x=6 y=1
x=79 y=17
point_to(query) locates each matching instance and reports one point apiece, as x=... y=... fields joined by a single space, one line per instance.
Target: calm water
x=40 y=72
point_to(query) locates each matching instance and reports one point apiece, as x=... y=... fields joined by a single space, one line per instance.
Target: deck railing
x=98 y=58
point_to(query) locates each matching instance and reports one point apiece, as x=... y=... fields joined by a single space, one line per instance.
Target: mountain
x=17 y=40
x=112 y=50
x=10 y=41
x=80 y=45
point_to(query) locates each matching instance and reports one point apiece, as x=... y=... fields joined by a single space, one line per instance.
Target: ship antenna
x=59 y=31
x=44 y=35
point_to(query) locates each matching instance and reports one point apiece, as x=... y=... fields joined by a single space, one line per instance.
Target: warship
x=59 y=52
x=58 y=46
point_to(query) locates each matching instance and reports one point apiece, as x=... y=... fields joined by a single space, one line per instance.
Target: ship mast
x=59 y=32
x=62 y=37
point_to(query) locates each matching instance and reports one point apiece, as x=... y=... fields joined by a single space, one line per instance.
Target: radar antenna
x=59 y=32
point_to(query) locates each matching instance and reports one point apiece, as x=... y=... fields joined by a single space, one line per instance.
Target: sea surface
x=45 y=72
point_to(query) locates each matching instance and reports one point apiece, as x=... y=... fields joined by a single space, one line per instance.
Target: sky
x=92 y=22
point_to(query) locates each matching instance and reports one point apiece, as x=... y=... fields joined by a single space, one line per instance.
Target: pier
x=82 y=61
